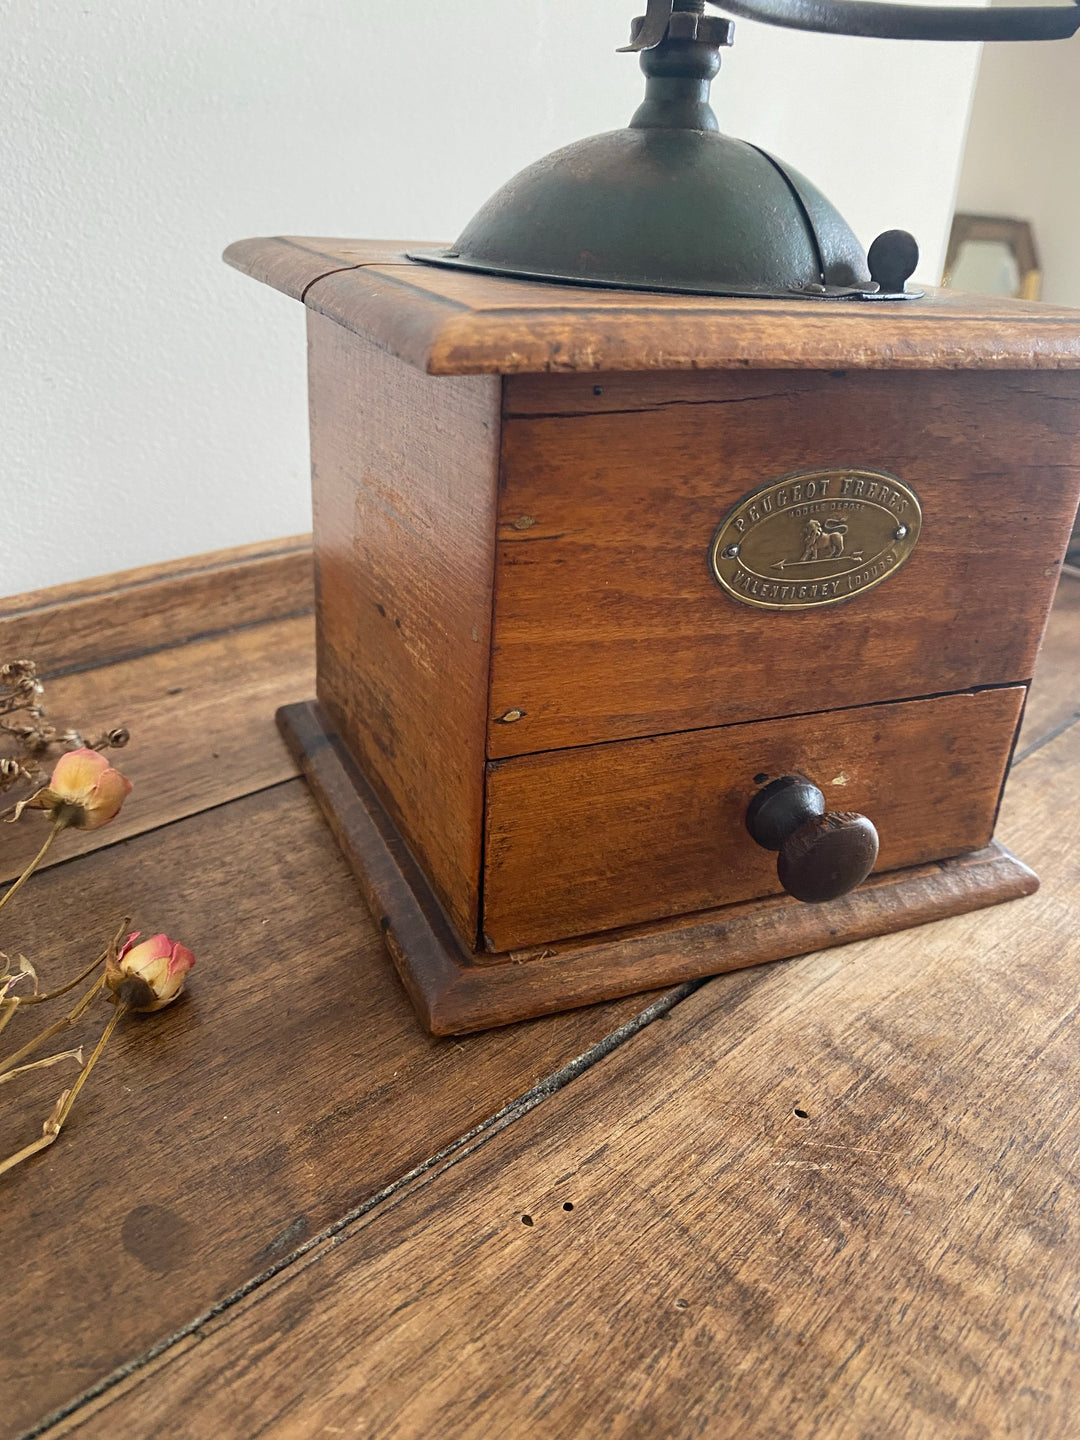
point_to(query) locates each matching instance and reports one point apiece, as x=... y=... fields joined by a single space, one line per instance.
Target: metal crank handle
x=881 y=19
x=892 y=21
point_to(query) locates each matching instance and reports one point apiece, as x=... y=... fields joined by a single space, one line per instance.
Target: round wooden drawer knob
x=822 y=854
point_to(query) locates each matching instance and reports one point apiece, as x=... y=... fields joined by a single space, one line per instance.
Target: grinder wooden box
x=541 y=719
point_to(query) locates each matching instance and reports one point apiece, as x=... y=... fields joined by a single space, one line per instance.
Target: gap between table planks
x=284 y=870
x=828 y=1198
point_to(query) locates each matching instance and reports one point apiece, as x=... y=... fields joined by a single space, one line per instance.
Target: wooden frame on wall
x=1015 y=235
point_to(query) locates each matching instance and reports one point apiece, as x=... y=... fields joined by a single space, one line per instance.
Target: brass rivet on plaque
x=815 y=538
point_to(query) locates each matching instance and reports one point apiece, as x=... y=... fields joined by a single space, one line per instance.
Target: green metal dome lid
x=671 y=204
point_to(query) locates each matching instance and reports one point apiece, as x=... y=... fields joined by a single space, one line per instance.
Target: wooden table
x=830 y=1197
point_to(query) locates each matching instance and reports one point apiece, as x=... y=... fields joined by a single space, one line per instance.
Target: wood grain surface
x=288 y=1087
x=827 y=1198
x=588 y=839
x=609 y=622
x=201 y=718
x=292 y=1090
x=292 y=263
x=114 y=617
x=451 y=322
x=405 y=474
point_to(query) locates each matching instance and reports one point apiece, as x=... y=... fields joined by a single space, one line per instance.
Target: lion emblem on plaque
x=822 y=540
x=827 y=538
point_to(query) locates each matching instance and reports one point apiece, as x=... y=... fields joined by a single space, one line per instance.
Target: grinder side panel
x=404 y=473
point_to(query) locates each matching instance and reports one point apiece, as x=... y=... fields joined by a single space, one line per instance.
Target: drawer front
x=590 y=839
x=609 y=623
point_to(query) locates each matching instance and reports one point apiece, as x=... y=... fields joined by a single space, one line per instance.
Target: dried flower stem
x=69 y=1019
x=76 y=1055
x=9 y=1004
x=62 y=1108
x=35 y=1145
x=18 y=1000
x=57 y=826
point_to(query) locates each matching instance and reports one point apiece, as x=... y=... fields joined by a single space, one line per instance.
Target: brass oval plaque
x=815 y=538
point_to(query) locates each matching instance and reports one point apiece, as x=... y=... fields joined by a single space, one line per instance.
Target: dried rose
x=148 y=976
x=84 y=791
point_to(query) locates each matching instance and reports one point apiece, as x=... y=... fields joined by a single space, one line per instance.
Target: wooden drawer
x=608 y=623
x=587 y=839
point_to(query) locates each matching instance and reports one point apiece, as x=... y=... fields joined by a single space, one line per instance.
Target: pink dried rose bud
x=84 y=791
x=151 y=975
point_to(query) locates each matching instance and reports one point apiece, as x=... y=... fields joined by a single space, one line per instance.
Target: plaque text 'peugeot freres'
x=815 y=538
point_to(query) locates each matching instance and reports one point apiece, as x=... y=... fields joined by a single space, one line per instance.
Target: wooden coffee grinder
x=670 y=551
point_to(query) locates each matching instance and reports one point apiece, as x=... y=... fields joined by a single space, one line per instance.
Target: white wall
x=152 y=401
x=1021 y=157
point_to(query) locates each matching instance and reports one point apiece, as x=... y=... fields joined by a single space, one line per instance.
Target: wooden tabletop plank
x=201 y=718
x=826 y=1198
x=290 y=1085
x=111 y=617
x=369 y=1094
